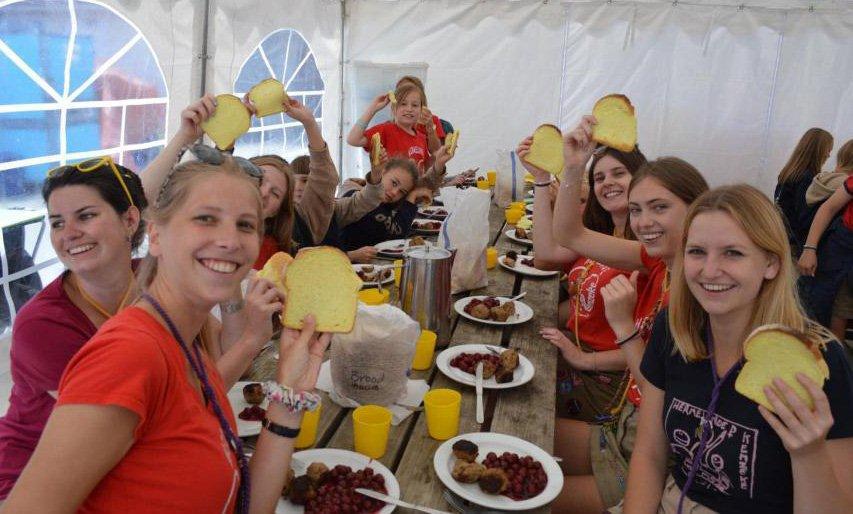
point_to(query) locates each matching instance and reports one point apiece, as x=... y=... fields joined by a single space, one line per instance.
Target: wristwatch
x=280 y=430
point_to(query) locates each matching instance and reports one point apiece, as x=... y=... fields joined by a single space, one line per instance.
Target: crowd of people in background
x=665 y=278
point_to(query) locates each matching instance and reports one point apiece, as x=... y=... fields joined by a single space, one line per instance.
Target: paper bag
x=466 y=230
x=509 y=183
x=371 y=363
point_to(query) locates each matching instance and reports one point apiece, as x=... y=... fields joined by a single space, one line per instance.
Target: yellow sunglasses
x=92 y=165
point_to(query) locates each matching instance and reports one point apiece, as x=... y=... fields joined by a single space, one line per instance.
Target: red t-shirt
x=586 y=278
x=180 y=460
x=848 y=211
x=399 y=143
x=650 y=300
x=269 y=247
x=48 y=331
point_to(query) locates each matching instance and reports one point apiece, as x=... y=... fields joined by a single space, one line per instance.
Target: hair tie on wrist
x=542 y=184
x=624 y=340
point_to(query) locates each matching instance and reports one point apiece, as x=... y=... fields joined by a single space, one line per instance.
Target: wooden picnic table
x=526 y=411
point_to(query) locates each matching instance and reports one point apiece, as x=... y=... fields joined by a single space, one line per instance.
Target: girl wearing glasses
x=142 y=422
x=94 y=214
x=734 y=274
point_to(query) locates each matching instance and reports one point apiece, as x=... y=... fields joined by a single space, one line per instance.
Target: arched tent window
x=77 y=80
x=285 y=56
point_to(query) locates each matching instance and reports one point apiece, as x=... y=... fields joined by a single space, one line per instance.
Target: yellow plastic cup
x=517 y=205
x=483 y=184
x=308 y=430
x=424 y=350
x=513 y=215
x=398 y=271
x=492 y=175
x=442 y=413
x=491 y=257
x=374 y=296
x=371 y=424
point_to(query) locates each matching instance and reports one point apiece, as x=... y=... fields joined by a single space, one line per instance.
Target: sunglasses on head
x=94 y=164
x=211 y=155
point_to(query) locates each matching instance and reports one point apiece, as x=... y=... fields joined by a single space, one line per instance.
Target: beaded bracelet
x=293 y=401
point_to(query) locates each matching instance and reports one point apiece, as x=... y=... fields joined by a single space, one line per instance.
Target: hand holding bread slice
x=269 y=97
x=230 y=120
x=451 y=141
x=616 y=125
x=546 y=152
x=321 y=281
x=376 y=150
x=275 y=268
x=773 y=351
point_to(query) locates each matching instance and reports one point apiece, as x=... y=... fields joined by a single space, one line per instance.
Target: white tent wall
x=493 y=67
x=729 y=89
x=238 y=26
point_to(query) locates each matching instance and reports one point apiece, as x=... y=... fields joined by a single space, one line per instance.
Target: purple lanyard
x=198 y=368
x=707 y=421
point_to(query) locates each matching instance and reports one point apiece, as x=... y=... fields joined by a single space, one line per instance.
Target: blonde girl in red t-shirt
x=143 y=423
x=400 y=137
x=591 y=384
x=658 y=198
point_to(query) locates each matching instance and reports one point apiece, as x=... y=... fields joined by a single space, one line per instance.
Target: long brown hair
x=808 y=156
x=678 y=176
x=280 y=226
x=411 y=79
x=777 y=300
x=594 y=215
x=844 y=158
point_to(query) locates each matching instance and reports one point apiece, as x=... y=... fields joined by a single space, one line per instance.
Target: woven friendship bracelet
x=293 y=401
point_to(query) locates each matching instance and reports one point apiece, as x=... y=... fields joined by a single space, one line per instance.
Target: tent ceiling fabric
x=730 y=89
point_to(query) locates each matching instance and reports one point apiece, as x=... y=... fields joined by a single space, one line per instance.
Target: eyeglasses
x=211 y=155
x=92 y=165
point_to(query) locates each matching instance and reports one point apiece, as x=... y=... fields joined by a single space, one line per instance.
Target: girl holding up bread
x=396 y=189
x=399 y=137
x=702 y=446
x=658 y=197
x=142 y=422
x=592 y=386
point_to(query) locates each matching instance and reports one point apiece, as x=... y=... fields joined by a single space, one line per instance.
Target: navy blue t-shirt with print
x=745 y=468
x=386 y=222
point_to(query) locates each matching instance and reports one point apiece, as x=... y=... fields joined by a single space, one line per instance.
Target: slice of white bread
x=230 y=120
x=321 y=281
x=546 y=152
x=617 y=124
x=375 y=149
x=777 y=351
x=451 y=141
x=268 y=97
x=392 y=97
x=274 y=269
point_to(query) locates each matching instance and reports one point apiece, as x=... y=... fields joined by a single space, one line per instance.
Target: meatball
x=302 y=490
x=503 y=376
x=467 y=472
x=509 y=359
x=493 y=481
x=480 y=312
x=317 y=472
x=489 y=369
x=465 y=450
x=253 y=393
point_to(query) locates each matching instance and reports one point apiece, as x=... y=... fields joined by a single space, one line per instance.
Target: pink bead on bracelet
x=290 y=399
